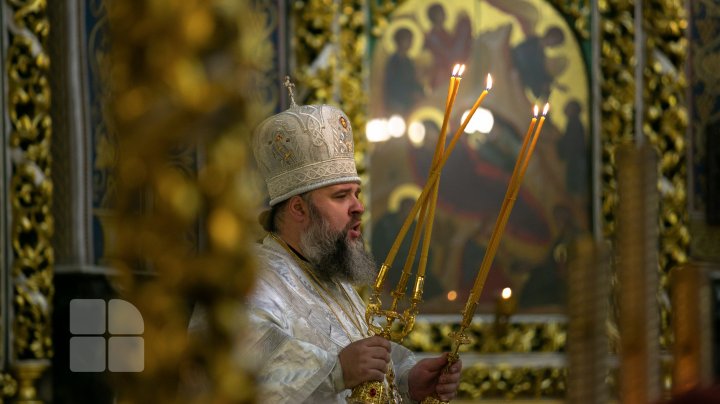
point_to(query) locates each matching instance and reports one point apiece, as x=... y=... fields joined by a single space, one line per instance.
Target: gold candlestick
x=382 y=275
x=510 y=197
x=427 y=211
x=459 y=337
x=421 y=201
x=377 y=392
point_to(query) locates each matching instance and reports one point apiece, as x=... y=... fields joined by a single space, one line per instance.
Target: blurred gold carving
x=543 y=336
x=28 y=372
x=577 y=13
x=665 y=122
x=507 y=382
x=31 y=187
x=665 y=126
x=546 y=334
x=8 y=386
x=617 y=105
x=187 y=73
x=330 y=45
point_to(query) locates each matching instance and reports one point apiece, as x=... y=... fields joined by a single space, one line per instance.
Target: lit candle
x=461 y=129
x=452 y=94
x=532 y=147
x=507 y=304
x=519 y=170
x=421 y=202
x=454 y=74
x=427 y=211
x=522 y=152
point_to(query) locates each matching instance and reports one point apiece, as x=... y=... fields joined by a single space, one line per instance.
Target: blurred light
x=506 y=293
x=396 y=126
x=416 y=133
x=452 y=295
x=376 y=130
x=483 y=121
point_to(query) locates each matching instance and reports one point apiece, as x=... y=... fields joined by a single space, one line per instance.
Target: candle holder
x=392 y=323
x=28 y=373
x=521 y=164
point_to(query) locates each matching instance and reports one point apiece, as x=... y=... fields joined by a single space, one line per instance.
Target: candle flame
x=545 y=110
x=455 y=70
x=536 y=111
x=489 y=82
x=461 y=71
x=506 y=293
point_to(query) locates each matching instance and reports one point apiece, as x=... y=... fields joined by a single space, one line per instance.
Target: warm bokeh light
x=376 y=130
x=452 y=295
x=416 y=133
x=506 y=293
x=482 y=121
x=396 y=126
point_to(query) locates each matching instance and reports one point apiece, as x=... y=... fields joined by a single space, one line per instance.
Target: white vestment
x=297 y=335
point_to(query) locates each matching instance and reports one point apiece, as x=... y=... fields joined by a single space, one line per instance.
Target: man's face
x=340 y=207
x=332 y=241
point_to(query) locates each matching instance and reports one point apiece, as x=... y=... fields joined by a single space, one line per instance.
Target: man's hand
x=426 y=378
x=365 y=360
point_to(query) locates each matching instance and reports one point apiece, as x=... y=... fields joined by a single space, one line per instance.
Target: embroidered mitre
x=304 y=148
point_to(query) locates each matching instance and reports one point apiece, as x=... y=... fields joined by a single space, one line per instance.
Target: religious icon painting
x=534 y=57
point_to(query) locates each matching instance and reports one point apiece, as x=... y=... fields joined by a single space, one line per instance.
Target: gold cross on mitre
x=290 y=86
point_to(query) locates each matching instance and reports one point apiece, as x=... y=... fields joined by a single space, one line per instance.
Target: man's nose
x=357 y=207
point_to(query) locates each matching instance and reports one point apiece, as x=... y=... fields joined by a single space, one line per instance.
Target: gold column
x=588 y=296
x=665 y=127
x=31 y=188
x=637 y=272
x=664 y=123
x=187 y=74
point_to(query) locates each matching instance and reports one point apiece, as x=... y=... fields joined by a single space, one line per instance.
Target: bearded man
x=307 y=320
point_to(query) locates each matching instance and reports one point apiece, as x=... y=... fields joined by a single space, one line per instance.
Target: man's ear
x=297 y=209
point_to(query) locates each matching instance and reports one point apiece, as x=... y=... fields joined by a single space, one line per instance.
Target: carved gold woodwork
x=31 y=183
x=187 y=73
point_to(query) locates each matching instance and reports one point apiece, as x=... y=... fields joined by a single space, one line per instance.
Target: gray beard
x=333 y=255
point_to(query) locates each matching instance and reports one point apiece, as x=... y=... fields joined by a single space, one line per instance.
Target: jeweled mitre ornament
x=304 y=148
